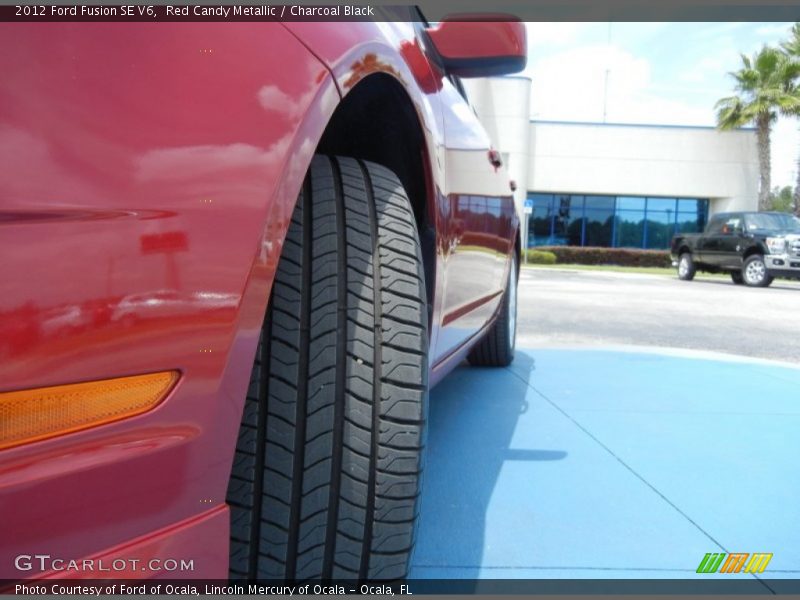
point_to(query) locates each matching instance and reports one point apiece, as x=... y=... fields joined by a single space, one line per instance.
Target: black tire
x=737 y=277
x=690 y=270
x=327 y=468
x=496 y=349
x=754 y=272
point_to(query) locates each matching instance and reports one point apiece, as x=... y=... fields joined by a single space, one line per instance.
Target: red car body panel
x=479 y=36
x=147 y=178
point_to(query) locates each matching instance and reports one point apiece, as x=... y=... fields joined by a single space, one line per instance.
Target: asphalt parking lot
x=595 y=308
x=583 y=461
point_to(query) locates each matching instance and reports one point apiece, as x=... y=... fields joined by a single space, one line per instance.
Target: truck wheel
x=327 y=467
x=496 y=349
x=755 y=272
x=686 y=268
x=737 y=277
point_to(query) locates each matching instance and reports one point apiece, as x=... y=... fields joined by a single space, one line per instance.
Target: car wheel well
x=377 y=121
x=751 y=251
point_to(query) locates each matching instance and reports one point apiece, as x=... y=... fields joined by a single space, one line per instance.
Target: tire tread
x=327 y=467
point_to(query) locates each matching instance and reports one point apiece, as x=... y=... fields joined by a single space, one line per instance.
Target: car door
x=730 y=242
x=708 y=247
x=481 y=210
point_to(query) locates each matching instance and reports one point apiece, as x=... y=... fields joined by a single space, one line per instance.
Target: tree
x=781 y=199
x=792 y=49
x=766 y=86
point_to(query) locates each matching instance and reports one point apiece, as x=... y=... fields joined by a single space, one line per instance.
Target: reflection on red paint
x=425 y=74
x=170 y=241
x=368 y=65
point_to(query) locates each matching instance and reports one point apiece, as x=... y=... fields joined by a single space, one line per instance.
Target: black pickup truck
x=754 y=247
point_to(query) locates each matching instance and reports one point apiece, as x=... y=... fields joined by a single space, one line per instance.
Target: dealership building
x=614 y=185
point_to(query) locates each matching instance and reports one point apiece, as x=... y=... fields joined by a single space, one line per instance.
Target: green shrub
x=625 y=257
x=540 y=257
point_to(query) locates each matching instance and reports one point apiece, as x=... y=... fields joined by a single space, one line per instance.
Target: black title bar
x=434 y=10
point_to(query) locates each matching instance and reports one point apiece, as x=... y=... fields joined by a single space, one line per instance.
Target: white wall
x=502 y=105
x=632 y=160
x=646 y=160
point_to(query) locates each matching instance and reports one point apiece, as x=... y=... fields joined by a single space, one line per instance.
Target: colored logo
x=737 y=562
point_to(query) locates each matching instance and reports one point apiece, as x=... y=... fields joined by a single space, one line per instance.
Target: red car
x=235 y=257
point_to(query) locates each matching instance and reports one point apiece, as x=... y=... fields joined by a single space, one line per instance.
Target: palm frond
x=792 y=45
x=766 y=85
x=730 y=113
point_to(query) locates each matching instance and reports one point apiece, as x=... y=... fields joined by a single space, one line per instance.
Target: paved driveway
x=598 y=463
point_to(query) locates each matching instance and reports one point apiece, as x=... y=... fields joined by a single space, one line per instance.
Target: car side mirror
x=480 y=45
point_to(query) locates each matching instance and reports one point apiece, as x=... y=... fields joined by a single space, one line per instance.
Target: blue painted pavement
x=610 y=464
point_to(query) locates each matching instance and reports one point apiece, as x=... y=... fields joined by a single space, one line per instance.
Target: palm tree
x=766 y=86
x=792 y=49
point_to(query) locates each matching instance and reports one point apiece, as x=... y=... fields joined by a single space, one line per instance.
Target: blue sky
x=665 y=73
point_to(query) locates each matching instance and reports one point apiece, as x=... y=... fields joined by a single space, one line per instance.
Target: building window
x=612 y=221
x=692 y=215
x=540 y=223
x=599 y=220
x=629 y=229
x=568 y=219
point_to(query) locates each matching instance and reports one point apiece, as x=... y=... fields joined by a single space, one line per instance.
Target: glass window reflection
x=660 y=229
x=613 y=221
x=630 y=229
x=630 y=203
x=661 y=204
